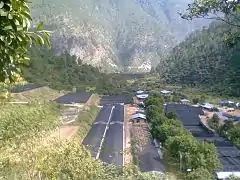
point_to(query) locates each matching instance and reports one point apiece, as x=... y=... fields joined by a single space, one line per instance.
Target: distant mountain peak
x=113 y=33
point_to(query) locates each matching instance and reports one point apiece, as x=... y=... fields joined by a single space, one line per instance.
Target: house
x=185 y=101
x=140 y=92
x=165 y=92
x=141 y=112
x=226 y=175
x=223 y=103
x=207 y=106
x=138 y=117
x=142 y=96
x=227 y=103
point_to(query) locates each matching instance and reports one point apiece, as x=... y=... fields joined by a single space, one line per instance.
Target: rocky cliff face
x=112 y=34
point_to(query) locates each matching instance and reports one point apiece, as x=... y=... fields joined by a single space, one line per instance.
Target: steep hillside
x=115 y=35
x=64 y=73
x=205 y=58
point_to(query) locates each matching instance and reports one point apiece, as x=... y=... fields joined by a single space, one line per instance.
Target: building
x=207 y=106
x=140 y=92
x=226 y=175
x=165 y=92
x=140 y=112
x=227 y=103
x=75 y=98
x=138 y=118
x=185 y=101
x=142 y=97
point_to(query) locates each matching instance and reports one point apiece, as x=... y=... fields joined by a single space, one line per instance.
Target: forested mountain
x=205 y=58
x=115 y=35
x=66 y=72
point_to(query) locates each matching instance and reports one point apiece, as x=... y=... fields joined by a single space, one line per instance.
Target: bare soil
x=141 y=132
x=235 y=112
x=129 y=110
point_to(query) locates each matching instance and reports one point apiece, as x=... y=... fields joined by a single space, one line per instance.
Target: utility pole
x=180 y=160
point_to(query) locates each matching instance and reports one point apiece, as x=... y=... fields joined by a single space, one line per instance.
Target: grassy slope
x=85 y=120
x=42 y=93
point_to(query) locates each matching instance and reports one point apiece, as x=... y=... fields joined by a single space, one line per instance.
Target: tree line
x=179 y=144
x=204 y=58
x=65 y=72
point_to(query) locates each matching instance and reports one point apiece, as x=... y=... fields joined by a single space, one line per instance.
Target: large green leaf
x=27 y=15
x=47 y=41
x=40 y=26
x=1 y=4
x=8 y=27
x=39 y=39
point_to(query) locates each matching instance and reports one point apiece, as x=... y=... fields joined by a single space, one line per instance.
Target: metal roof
x=78 y=97
x=26 y=87
x=165 y=92
x=139 y=115
x=142 y=96
x=207 y=106
x=140 y=92
x=185 y=100
x=225 y=175
x=116 y=99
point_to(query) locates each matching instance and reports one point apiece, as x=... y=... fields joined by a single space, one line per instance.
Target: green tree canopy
x=223 y=10
x=204 y=8
x=199 y=174
x=167 y=130
x=171 y=115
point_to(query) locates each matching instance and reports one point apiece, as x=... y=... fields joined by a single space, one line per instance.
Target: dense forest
x=65 y=72
x=205 y=58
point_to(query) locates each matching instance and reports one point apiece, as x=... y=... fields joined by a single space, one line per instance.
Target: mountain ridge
x=113 y=35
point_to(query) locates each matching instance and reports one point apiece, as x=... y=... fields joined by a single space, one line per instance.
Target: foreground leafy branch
x=15 y=37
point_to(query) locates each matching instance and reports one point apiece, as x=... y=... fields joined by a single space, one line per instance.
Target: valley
x=118 y=131
x=125 y=90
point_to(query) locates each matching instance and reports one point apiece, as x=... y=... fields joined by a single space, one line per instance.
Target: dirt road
x=129 y=110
